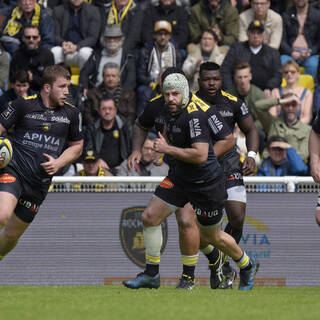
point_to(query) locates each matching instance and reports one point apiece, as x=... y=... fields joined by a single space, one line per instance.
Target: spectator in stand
x=301 y=36
x=288 y=126
x=264 y=61
x=76 y=25
x=112 y=51
x=146 y=166
x=20 y=88
x=125 y=99
x=272 y=21
x=166 y=10
x=219 y=15
x=128 y=15
x=110 y=136
x=4 y=69
x=153 y=60
x=249 y=93
x=27 y=12
x=31 y=56
x=280 y=6
x=290 y=71
x=283 y=160
x=206 y=50
x=241 y=5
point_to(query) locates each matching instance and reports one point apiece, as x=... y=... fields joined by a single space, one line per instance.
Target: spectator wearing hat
x=76 y=32
x=166 y=10
x=283 y=160
x=91 y=166
x=127 y=14
x=219 y=15
x=111 y=50
x=272 y=21
x=301 y=36
x=264 y=61
x=153 y=60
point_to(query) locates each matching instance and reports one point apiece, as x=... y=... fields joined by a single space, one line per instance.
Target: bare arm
x=197 y=154
x=224 y=145
x=2 y=129
x=306 y=108
x=248 y=127
x=138 y=137
x=314 y=151
x=72 y=153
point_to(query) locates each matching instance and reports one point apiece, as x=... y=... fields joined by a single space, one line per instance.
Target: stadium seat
x=75 y=74
x=305 y=80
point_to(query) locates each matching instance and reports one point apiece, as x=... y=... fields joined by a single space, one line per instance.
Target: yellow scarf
x=113 y=13
x=14 y=25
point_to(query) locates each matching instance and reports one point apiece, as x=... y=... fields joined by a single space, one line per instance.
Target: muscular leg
x=11 y=234
x=156 y=211
x=189 y=238
x=13 y=226
x=236 y=212
x=8 y=203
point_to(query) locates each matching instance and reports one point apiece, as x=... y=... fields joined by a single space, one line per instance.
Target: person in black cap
x=264 y=61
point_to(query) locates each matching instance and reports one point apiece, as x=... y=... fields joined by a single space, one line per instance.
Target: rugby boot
x=143 y=280
x=216 y=275
x=229 y=275
x=186 y=283
x=247 y=276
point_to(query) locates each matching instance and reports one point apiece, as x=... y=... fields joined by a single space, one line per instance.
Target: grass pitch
x=166 y=303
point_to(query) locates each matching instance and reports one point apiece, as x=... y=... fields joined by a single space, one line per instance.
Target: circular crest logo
x=131 y=235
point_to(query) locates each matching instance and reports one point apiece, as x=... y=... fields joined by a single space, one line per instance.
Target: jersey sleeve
x=75 y=130
x=219 y=129
x=147 y=118
x=12 y=113
x=242 y=111
x=198 y=128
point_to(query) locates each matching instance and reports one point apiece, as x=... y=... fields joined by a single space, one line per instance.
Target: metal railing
x=148 y=184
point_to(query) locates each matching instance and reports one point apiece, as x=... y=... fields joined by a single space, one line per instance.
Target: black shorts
x=232 y=168
x=207 y=200
x=29 y=197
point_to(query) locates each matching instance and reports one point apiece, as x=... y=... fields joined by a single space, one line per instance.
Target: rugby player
x=233 y=111
x=195 y=176
x=153 y=117
x=43 y=124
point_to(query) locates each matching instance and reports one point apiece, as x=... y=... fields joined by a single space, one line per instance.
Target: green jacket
x=202 y=18
x=296 y=135
x=251 y=97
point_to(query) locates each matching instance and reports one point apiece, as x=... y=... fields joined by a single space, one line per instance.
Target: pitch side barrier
x=88 y=231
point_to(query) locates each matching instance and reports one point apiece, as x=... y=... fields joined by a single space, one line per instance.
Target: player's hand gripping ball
x=5 y=152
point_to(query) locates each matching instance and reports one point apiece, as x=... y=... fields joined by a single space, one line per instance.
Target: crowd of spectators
x=118 y=50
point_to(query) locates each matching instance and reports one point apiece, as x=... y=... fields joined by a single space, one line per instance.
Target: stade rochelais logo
x=131 y=235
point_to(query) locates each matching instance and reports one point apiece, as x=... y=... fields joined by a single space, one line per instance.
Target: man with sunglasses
x=31 y=57
x=288 y=125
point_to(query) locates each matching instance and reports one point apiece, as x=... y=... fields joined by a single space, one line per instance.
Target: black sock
x=188 y=271
x=152 y=269
x=213 y=256
x=235 y=233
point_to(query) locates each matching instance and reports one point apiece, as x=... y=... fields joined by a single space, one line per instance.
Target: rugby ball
x=5 y=152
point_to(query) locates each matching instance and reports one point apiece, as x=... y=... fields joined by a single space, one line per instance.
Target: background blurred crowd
x=116 y=51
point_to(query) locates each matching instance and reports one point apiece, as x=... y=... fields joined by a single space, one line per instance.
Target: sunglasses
x=290 y=71
x=32 y=37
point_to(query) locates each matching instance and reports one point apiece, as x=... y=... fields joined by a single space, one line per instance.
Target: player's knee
x=12 y=236
x=237 y=221
x=4 y=217
x=148 y=219
x=317 y=216
x=186 y=221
